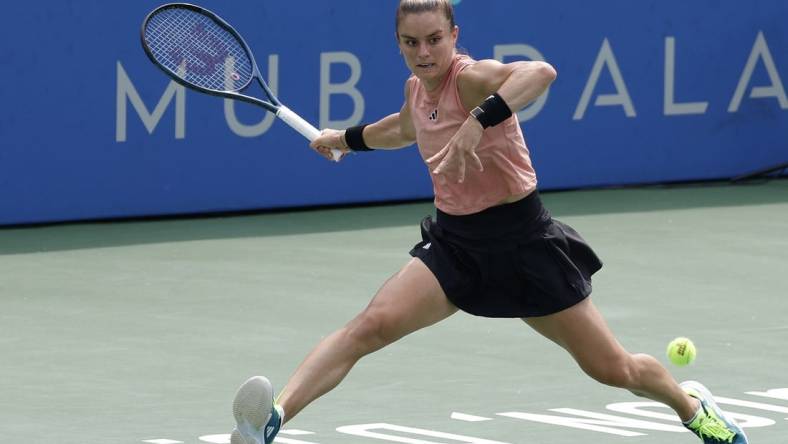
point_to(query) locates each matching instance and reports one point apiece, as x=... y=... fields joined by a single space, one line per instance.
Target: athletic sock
x=696 y=415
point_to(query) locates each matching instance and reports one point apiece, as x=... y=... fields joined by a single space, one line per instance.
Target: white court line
x=295 y=432
x=469 y=418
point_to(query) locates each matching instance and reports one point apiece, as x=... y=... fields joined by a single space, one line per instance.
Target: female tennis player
x=493 y=249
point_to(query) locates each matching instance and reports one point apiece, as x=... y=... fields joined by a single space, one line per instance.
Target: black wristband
x=355 y=138
x=492 y=111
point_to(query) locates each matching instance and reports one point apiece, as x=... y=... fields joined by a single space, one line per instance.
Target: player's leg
x=408 y=301
x=583 y=332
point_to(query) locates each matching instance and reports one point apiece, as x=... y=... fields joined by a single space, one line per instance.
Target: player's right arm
x=391 y=132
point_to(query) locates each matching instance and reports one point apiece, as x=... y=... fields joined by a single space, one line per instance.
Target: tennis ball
x=681 y=351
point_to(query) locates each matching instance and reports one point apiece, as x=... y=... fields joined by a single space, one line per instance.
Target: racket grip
x=303 y=127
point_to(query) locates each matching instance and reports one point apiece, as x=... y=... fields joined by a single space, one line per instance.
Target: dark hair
x=419 y=6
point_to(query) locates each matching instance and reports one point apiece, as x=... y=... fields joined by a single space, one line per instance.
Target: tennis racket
x=201 y=51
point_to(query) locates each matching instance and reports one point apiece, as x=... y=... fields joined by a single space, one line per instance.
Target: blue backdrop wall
x=648 y=91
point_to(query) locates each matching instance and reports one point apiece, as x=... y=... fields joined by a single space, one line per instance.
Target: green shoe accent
x=708 y=425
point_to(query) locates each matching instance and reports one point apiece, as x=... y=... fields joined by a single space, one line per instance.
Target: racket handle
x=303 y=127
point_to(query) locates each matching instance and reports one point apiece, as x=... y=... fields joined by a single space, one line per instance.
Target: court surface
x=133 y=332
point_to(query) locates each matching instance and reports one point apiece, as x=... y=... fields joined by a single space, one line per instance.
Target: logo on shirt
x=434 y=115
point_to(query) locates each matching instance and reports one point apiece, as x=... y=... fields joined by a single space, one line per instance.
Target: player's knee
x=616 y=373
x=368 y=332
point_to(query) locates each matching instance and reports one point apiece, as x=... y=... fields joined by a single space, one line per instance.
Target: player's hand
x=451 y=162
x=328 y=139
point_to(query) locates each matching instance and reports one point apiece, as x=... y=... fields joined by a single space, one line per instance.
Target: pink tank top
x=437 y=115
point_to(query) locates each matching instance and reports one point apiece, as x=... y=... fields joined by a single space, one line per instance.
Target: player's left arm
x=517 y=84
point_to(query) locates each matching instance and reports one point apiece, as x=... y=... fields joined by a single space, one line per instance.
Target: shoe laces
x=712 y=427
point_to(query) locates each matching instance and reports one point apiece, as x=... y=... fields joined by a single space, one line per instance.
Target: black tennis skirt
x=508 y=261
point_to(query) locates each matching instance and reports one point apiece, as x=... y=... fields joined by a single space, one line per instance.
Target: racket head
x=199 y=49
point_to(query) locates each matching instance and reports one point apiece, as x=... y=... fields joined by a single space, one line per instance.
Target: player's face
x=427 y=42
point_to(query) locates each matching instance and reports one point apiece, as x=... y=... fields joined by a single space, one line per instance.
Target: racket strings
x=198 y=50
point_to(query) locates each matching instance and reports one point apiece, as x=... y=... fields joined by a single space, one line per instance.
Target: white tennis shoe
x=711 y=424
x=258 y=419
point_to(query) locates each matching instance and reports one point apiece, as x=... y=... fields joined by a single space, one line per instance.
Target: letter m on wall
x=126 y=92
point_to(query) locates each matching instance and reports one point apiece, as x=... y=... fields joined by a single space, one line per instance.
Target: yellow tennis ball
x=681 y=351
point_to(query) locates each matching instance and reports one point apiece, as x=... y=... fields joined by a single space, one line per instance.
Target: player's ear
x=399 y=45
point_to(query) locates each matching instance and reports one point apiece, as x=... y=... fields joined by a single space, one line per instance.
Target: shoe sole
x=709 y=398
x=236 y=438
x=252 y=410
